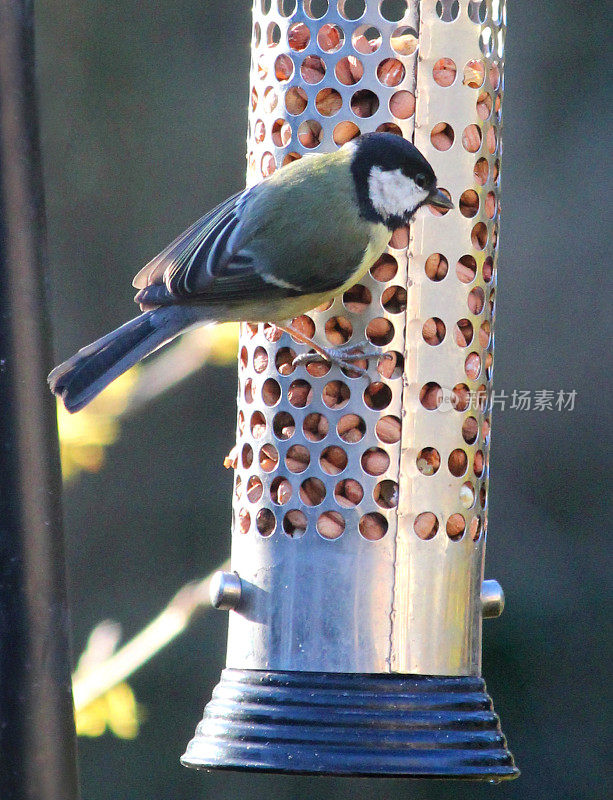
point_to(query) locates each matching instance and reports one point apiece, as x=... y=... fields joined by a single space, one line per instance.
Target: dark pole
x=37 y=736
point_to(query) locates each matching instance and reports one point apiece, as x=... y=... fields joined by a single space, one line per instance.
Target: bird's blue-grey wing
x=189 y=264
x=226 y=256
x=211 y=262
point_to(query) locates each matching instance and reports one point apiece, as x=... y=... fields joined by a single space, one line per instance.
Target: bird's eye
x=420 y=180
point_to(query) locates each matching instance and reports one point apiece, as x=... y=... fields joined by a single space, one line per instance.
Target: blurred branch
x=95 y=676
x=85 y=436
x=213 y=343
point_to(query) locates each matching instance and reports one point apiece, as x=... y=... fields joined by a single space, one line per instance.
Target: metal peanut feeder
x=360 y=509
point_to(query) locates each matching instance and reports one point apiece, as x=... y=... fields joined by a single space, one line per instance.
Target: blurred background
x=143 y=121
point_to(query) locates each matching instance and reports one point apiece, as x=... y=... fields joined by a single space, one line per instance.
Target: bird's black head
x=392 y=179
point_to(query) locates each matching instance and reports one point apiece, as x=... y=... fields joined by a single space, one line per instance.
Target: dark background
x=143 y=117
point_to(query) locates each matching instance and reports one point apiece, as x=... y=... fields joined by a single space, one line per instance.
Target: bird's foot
x=343 y=357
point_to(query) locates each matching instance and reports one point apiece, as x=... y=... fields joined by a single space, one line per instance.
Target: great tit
x=270 y=252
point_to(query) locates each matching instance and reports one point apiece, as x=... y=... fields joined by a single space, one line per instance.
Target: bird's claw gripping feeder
x=360 y=504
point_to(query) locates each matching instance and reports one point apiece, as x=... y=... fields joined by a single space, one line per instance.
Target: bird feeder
x=360 y=504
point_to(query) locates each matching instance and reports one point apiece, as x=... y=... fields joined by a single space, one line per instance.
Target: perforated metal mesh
x=395 y=472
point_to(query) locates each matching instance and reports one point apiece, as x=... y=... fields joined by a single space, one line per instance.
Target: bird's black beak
x=439 y=199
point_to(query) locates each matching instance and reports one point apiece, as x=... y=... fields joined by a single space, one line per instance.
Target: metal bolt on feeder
x=360 y=506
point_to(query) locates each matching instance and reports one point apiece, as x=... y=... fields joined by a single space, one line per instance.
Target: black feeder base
x=322 y=723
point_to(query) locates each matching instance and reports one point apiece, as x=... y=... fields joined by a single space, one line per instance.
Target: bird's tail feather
x=79 y=379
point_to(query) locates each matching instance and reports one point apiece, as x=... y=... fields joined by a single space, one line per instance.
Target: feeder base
x=323 y=723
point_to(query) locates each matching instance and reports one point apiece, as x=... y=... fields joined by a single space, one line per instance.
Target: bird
x=268 y=253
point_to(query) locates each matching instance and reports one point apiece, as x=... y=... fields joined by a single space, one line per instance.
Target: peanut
x=283 y=492
x=387 y=364
x=476 y=300
x=471 y=138
x=469 y=203
x=305 y=325
x=470 y=429
x=364 y=103
x=328 y=102
x=431 y=396
x=400 y=239
x=310 y=133
x=457 y=462
x=329 y=38
x=270 y=97
x=260 y=359
x=348 y=493
x=444 y=72
x=269 y=457
x=284 y=361
x=463 y=332
x=318 y=368
x=373 y=526
x=377 y=395
x=402 y=104
x=336 y=394
x=296 y=100
x=244 y=520
x=484 y=334
x=231 y=460
x=442 y=136
x=388 y=429
x=364 y=45
x=474 y=74
x=478 y=236
x=344 y=132
x=472 y=366
x=284 y=67
x=331 y=524
x=460 y=397
x=315 y=427
x=313 y=69
x=428 y=461
x=312 y=492
x=433 y=331
x=425 y=525
x=333 y=460
x=466 y=269
x=436 y=267
x=298 y=36
x=391 y=72
x=404 y=44
x=347 y=423
x=349 y=70
x=455 y=526
x=297 y=458
x=375 y=461
x=385 y=268
x=258 y=430
x=484 y=105
x=294 y=523
x=254 y=489
x=481 y=171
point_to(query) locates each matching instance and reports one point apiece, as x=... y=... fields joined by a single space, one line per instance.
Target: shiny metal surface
x=492 y=599
x=400 y=603
x=225 y=590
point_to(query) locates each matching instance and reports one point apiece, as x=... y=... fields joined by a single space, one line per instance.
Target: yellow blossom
x=84 y=436
x=116 y=710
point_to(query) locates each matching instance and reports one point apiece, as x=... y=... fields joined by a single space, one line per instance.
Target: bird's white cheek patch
x=393 y=194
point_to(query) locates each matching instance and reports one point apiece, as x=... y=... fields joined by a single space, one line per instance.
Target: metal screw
x=225 y=591
x=492 y=599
